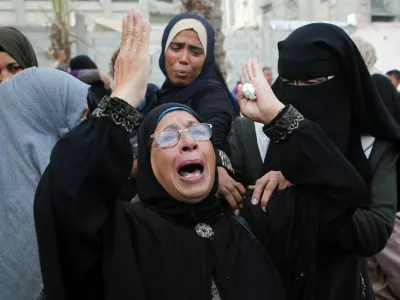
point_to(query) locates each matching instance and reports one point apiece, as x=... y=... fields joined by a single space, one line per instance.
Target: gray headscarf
x=38 y=106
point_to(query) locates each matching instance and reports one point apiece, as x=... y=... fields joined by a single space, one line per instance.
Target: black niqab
x=154 y=196
x=347 y=105
x=18 y=46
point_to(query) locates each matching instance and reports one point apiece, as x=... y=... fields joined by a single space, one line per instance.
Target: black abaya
x=93 y=247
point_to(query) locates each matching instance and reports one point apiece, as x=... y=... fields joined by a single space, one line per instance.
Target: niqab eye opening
x=313 y=81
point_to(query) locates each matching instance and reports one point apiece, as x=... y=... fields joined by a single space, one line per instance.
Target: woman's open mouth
x=191 y=171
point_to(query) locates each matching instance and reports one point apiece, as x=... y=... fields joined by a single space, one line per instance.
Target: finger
x=242 y=78
x=236 y=195
x=242 y=100
x=127 y=28
x=260 y=186
x=269 y=189
x=144 y=40
x=245 y=73
x=241 y=189
x=249 y=69
x=256 y=68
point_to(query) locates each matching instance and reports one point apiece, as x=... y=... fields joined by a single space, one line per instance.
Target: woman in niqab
x=178 y=242
x=324 y=76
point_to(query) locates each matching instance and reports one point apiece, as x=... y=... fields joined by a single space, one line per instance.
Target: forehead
x=179 y=118
x=5 y=58
x=188 y=36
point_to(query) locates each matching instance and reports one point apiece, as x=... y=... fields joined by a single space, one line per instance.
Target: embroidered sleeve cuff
x=119 y=111
x=224 y=161
x=284 y=125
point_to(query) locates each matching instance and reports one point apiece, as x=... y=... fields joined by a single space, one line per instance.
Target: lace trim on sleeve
x=284 y=125
x=119 y=111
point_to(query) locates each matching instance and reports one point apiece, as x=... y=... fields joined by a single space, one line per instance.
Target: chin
x=194 y=192
x=181 y=82
x=193 y=196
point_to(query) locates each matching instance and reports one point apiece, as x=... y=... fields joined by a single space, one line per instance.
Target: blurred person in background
x=394 y=76
x=268 y=75
x=98 y=89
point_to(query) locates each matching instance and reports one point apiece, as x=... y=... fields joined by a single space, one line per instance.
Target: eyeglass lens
x=169 y=138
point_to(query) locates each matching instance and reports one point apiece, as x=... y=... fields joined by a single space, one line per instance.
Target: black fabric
x=96 y=91
x=320 y=50
x=18 y=46
x=390 y=99
x=82 y=62
x=340 y=107
x=92 y=246
x=154 y=196
x=207 y=96
x=245 y=155
x=300 y=219
x=388 y=94
x=345 y=106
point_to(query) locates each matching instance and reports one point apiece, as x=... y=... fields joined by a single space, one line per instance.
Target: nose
x=184 y=57
x=187 y=143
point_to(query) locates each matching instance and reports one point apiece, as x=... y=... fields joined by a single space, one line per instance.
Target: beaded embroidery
x=204 y=230
x=226 y=163
x=282 y=127
x=119 y=111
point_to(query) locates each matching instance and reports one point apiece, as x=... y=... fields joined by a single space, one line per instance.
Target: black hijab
x=172 y=93
x=82 y=62
x=153 y=195
x=346 y=105
x=388 y=94
x=18 y=47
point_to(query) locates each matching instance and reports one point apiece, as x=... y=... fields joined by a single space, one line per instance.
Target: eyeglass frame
x=180 y=133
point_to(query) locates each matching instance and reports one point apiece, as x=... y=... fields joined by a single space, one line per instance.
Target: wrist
x=131 y=98
x=272 y=112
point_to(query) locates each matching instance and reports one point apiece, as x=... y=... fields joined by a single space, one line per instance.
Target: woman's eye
x=14 y=69
x=175 y=48
x=197 y=52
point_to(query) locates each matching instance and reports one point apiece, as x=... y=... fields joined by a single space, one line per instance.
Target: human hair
x=114 y=59
x=395 y=73
x=266 y=68
x=112 y=63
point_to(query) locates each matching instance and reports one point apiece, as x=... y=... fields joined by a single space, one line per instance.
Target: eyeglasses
x=169 y=138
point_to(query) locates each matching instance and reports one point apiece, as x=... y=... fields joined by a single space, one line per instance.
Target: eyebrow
x=190 y=46
x=174 y=126
x=12 y=63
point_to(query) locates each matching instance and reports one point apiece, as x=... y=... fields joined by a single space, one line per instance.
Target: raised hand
x=266 y=106
x=132 y=66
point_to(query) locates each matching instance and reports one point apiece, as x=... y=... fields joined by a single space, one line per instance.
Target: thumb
x=241 y=99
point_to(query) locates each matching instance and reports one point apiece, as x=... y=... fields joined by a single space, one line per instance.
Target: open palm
x=266 y=106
